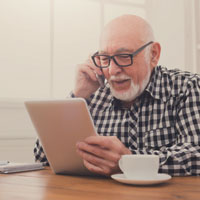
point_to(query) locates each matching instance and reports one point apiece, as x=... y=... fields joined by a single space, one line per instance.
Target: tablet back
x=59 y=125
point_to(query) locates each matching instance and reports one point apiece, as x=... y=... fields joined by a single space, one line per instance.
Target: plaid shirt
x=164 y=120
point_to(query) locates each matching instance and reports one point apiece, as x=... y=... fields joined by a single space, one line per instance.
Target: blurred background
x=41 y=41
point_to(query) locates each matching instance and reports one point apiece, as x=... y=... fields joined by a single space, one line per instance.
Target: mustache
x=119 y=77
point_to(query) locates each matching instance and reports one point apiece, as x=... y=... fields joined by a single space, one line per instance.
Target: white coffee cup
x=139 y=166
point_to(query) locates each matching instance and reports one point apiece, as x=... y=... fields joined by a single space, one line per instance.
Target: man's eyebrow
x=120 y=50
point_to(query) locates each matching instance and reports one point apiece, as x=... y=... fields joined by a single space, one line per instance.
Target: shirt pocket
x=161 y=137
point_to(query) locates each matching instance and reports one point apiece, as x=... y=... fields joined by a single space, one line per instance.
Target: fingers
x=102 y=153
x=99 y=152
x=92 y=167
x=98 y=165
x=93 y=67
x=96 y=169
x=108 y=142
x=86 y=82
x=89 y=69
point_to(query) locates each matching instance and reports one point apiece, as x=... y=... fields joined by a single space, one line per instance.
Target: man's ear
x=155 y=54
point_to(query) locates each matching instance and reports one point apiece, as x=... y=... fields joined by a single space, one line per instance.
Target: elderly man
x=142 y=109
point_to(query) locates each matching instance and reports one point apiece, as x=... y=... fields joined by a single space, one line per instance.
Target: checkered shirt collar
x=159 y=86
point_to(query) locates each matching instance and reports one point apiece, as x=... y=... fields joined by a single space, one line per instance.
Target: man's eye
x=123 y=56
x=104 y=58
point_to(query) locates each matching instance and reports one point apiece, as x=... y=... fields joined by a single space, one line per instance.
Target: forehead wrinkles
x=119 y=41
x=117 y=51
x=116 y=45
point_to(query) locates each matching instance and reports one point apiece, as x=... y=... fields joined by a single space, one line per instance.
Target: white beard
x=134 y=90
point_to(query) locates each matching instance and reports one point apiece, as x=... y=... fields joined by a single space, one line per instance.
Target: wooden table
x=44 y=185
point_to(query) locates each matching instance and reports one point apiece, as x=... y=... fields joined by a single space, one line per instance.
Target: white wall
x=42 y=41
x=17 y=150
x=24 y=48
x=167 y=20
x=17 y=135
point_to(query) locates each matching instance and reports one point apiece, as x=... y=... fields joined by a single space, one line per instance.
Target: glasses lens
x=101 y=60
x=123 y=59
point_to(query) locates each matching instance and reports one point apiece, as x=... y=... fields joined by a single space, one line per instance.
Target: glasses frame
x=122 y=54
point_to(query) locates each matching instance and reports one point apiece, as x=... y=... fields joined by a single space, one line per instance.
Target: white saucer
x=159 y=178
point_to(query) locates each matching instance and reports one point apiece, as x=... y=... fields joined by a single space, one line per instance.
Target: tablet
x=60 y=124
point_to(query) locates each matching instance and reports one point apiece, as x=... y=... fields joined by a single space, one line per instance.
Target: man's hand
x=86 y=81
x=101 y=154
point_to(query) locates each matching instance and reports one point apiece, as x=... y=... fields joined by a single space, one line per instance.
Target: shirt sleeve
x=39 y=154
x=183 y=157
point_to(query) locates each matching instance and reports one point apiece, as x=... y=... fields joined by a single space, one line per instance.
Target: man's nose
x=114 y=69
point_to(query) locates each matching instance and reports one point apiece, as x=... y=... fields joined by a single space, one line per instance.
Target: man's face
x=128 y=82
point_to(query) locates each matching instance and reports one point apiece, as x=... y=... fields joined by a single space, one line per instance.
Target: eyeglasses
x=121 y=60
